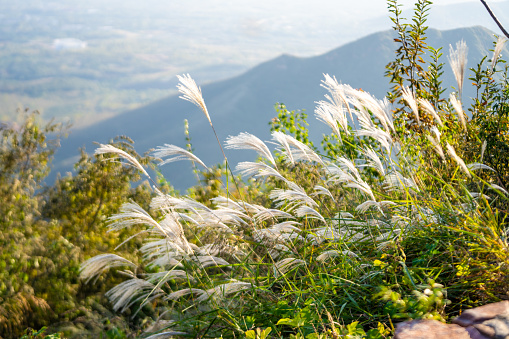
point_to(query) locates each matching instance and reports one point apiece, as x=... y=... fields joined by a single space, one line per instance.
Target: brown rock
x=479 y=314
x=475 y=334
x=430 y=329
x=497 y=327
x=486 y=330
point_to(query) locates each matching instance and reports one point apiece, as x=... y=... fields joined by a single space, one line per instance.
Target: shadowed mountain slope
x=245 y=103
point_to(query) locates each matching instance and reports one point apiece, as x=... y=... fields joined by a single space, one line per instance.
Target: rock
x=431 y=329
x=497 y=327
x=479 y=314
x=475 y=333
x=487 y=331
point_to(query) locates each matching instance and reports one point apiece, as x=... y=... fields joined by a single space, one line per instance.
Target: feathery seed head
x=409 y=97
x=458 y=60
x=333 y=116
x=177 y=153
x=459 y=109
x=428 y=107
x=436 y=146
x=103 y=149
x=483 y=148
x=223 y=290
x=100 y=263
x=457 y=159
x=251 y=142
x=192 y=93
x=496 y=53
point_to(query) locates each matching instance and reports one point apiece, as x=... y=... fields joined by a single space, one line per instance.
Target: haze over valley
x=111 y=68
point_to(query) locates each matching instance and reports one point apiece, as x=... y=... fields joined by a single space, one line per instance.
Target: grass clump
x=396 y=218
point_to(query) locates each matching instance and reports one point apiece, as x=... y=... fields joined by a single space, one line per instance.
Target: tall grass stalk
x=317 y=250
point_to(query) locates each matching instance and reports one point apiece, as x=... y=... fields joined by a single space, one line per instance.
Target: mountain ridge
x=245 y=103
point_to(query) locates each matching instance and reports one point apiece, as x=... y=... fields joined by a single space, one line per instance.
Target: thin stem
x=495 y=18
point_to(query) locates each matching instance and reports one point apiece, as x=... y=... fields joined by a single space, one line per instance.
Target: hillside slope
x=245 y=103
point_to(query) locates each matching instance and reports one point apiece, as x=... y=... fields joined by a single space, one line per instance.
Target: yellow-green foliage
x=45 y=233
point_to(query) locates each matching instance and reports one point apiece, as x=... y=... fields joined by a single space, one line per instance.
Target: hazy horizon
x=88 y=61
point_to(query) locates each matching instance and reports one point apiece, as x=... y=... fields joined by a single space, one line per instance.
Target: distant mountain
x=245 y=103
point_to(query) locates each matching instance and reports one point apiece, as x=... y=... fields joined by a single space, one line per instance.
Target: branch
x=495 y=18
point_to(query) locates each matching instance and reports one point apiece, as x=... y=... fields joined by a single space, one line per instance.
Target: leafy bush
x=47 y=232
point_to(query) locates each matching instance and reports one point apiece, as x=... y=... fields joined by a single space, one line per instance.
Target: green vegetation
x=392 y=219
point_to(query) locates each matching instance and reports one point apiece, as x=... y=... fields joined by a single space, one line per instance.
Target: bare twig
x=495 y=18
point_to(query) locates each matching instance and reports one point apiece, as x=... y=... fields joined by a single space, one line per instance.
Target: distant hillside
x=245 y=103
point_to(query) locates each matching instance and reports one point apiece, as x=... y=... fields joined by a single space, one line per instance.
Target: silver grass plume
x=348 y=165
x=271 y=236
x=458 y=60
x=242 y=206
x=476 y=195
x=397 y=181
x=342 y=175
x=436 y=146
x=327 y=233
x=456 y=104
x=177 y=153
x=436 y=142
x=164 y=253
x=483 y=148
x=379 y=108
x=344 y=215
x=385 y=105
x=286 y=265
x=327 y=255
x=373 y=160
x=499 y=188
x=337 y=90
x=320 y=190
x=132 y=214
x=383 y=138
x=306 y=211
x=209 y=261
x=294 y=150
x=296 y=196
x=409 y=97
x=192 y=93
x=160 y=278
x=286 y=226
x=101 y=263
x=279 y=137
x=124 y=294
x=458 y=160
x=333 y=116
x=277 y=250
x=220 y=249
x=363 y=116
x=370 y=203
x=362 y=186
x=251 y=142
x=258 y=169
x=179 y=294
x=103 y=149
x=159 y=324
x=166 y=335
x=175 y=233
x=477 y=166
x=270 y=213
x=363 y=208
x=223 y=290
x=428 y=107
x=496 y=53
